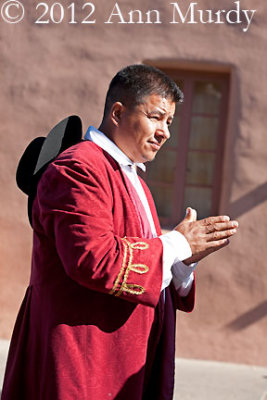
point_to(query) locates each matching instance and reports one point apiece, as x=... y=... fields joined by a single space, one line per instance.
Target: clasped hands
x=206 y=235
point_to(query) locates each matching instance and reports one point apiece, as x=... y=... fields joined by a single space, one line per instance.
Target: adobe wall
x=49 y=71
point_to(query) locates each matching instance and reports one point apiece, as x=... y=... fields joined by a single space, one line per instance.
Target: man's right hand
x=206 y=235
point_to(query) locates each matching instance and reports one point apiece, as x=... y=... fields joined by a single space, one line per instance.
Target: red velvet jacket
x=89 y=327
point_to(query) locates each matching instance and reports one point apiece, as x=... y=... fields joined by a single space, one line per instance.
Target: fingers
x=211 y=220
x=221 y=226
x=220 y=235
x=207 y=235
x=221 y=230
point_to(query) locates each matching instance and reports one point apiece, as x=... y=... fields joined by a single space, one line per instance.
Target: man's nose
x=164 y=131
x=167 y=132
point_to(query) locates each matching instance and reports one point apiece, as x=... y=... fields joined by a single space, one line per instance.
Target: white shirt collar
x=99 y=138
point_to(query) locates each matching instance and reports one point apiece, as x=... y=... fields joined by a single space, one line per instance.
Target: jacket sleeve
x=74 y=207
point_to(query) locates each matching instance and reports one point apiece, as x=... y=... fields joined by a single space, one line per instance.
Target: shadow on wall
x=248 y=201
x=249 y=318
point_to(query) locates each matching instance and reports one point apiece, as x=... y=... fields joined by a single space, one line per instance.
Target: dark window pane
x=163 y=197
x=200 y=168
x=199 y=199
x=174 y=129
x=207 y=98
x=163 y=167
x=203 y=133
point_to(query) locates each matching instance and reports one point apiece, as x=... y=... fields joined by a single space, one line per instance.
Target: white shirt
x=175 y=246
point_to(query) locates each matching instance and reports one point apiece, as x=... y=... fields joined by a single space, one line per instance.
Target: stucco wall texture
x=49 y=71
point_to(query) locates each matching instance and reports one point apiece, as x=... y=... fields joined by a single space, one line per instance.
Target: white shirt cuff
x=181 y=272
x=183 y=277
x=186 y=286
x=175 y=249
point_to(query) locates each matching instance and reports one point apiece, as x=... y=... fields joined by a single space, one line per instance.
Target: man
x=98 y=319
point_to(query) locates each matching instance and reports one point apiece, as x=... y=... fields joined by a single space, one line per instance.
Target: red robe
x=89 y=327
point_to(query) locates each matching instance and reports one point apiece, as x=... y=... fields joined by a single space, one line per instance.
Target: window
x=187 y=170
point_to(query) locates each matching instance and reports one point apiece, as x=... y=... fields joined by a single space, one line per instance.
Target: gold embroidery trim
x=131 y=288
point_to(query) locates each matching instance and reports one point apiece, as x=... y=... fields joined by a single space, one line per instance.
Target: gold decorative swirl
x=123 y=275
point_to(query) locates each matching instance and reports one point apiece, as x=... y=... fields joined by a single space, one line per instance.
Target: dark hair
x=131 y=84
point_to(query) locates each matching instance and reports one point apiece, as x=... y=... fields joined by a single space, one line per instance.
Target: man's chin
x=149 y=157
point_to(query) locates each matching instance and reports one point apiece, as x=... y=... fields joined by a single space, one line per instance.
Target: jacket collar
x=99 y=138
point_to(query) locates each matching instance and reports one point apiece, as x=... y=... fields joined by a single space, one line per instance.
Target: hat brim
x=65 y=134
x=27 y=164
x=41 y=151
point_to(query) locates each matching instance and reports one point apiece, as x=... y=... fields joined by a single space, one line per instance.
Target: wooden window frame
x=189 y=78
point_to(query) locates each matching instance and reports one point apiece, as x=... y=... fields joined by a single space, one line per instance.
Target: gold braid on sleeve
x=121 y=283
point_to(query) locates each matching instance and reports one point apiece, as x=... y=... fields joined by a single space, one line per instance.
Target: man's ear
x=116 y=112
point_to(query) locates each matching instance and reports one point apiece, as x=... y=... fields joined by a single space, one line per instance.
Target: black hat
x=42 y=151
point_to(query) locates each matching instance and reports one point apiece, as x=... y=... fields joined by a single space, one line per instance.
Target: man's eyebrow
x=162 y=113
x=157 y=112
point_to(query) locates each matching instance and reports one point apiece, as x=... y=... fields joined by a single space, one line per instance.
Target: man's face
x=142 y=130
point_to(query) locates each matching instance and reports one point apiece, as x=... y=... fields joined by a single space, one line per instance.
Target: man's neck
x=107 y=130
